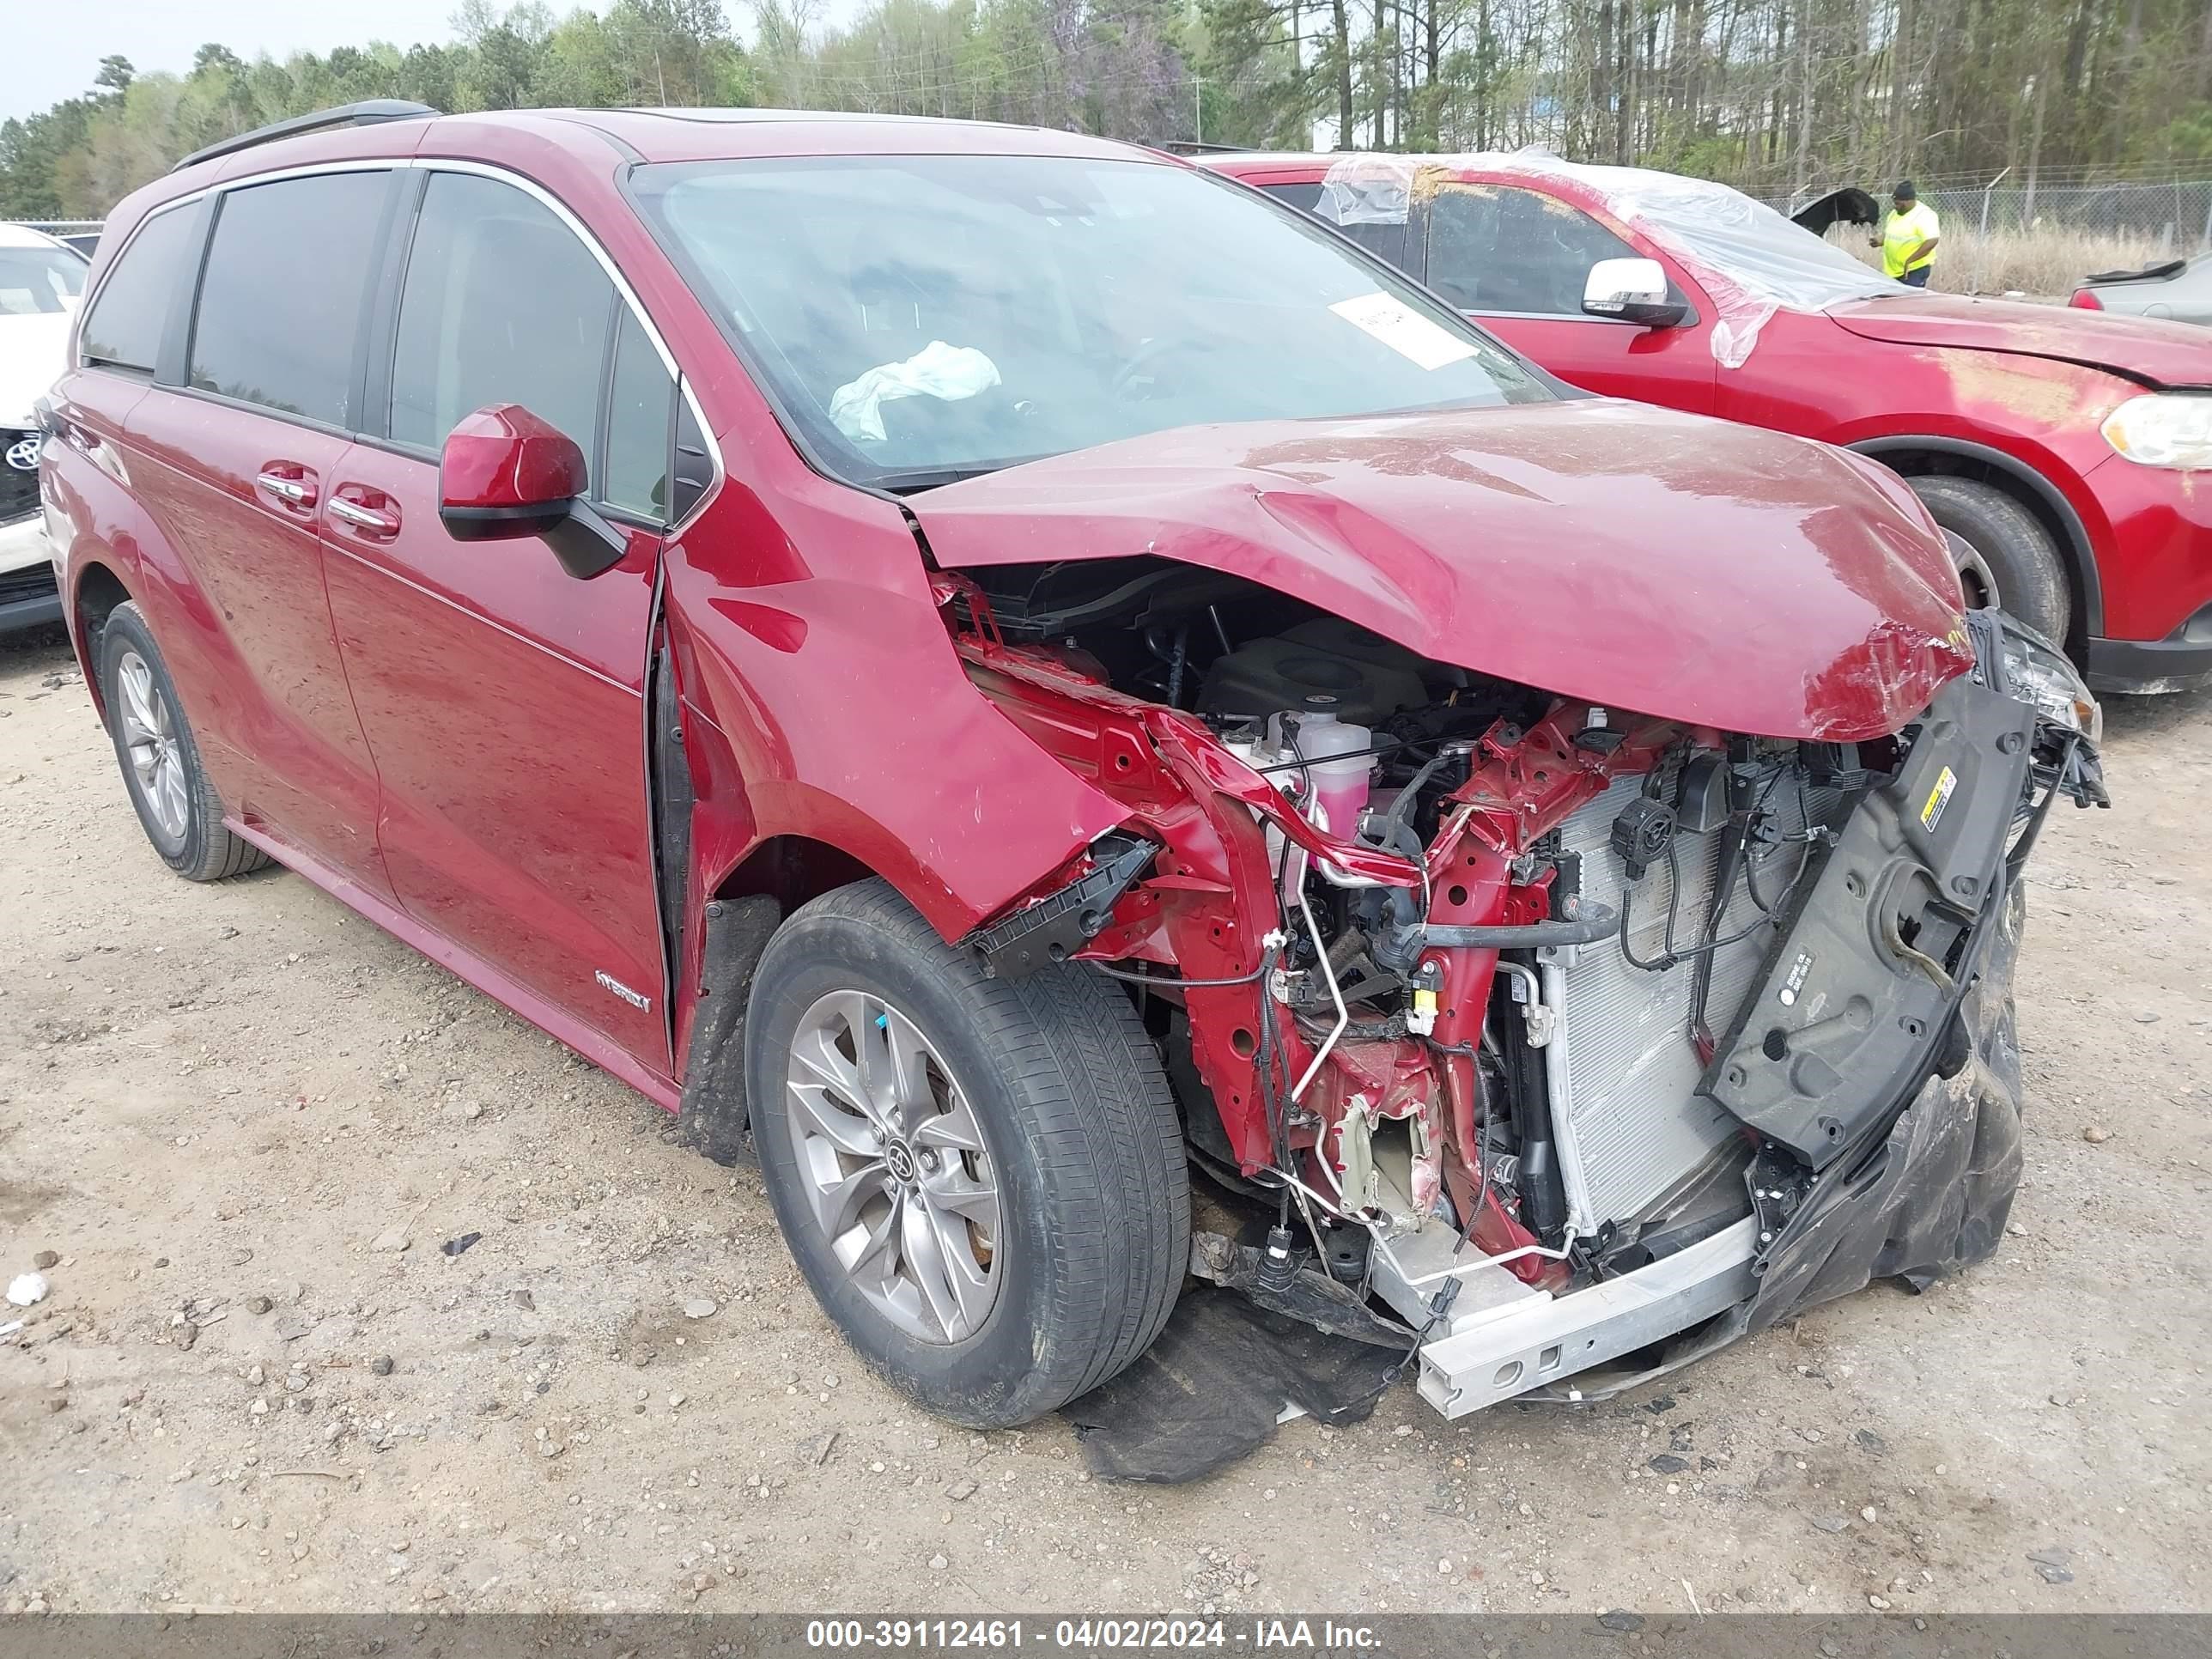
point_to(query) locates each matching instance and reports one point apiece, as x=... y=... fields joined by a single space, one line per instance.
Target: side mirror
x=505 y=474
x=1632 y=290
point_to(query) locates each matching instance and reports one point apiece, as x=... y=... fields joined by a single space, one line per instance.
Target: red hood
x=1634 y=557
x=2141 y=347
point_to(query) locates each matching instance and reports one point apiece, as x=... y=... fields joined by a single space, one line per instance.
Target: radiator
x=1623 y=1073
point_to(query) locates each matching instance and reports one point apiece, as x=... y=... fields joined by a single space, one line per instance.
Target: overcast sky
x=54 y=47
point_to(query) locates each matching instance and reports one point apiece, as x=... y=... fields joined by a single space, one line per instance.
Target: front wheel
x=982 y=1180
x=2005 y=557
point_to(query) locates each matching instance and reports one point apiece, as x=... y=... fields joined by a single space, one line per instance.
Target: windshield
x=920 y=318
x=33 y=279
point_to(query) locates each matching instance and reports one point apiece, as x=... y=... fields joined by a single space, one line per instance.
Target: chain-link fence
x=2012 y=237
x=2175 y=218
x=80 y=233
x=59 y=227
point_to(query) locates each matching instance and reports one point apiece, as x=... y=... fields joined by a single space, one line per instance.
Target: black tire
x=2012 y=544
x=1093 y=1221
x=201 y=849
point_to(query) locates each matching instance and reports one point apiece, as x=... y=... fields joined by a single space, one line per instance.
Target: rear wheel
x=177 y=806
x=2006 y=557
x=982 y=1180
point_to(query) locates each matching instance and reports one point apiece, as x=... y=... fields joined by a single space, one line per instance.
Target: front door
x=502 y=698
x=1516 y=259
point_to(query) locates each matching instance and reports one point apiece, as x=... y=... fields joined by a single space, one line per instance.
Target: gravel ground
x=242 y=1122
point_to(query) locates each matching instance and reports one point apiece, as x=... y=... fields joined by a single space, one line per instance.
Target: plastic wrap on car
x=1752 y=261
x=1367 y=190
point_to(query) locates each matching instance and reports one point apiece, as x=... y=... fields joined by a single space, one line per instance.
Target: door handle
x=370 y=520
x=290 y=484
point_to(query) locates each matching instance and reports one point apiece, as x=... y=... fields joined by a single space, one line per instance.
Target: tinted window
x=1492 y=248
x=1304 y=196
x=280 y=302
x=124 y=327
x=502 y=305
x=637 y=424
x=1393 y=244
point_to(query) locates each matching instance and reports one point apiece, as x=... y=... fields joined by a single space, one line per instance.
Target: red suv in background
x=2063 y=448
x=980 y=664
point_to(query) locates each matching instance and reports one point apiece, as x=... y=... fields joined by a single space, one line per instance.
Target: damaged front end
x=1561 y=1043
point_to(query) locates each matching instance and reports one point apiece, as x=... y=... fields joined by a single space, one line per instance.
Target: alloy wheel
x=894 y=1166
x=1976 y=580
x=149 y=733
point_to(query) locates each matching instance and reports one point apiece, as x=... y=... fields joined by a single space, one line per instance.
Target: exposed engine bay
x=1546 y=1030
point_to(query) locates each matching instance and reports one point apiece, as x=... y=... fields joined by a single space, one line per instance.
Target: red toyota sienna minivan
x=986 y=669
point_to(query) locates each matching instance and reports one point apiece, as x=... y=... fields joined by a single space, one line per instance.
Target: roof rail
x=367 y=112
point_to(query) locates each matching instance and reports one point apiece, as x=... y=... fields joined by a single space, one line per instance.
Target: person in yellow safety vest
x=1908 y=237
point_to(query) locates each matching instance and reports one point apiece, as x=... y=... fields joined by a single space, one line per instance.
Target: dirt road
x=222 y=1108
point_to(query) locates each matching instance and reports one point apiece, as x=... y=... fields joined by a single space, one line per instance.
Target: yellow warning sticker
x=1938 y=799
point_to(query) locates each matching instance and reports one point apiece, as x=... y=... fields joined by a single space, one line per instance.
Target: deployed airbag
x=938 y=370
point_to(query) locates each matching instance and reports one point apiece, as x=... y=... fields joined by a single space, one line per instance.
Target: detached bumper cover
x=1916 y=1158
x=1929 y=1199
x=1934 y=1197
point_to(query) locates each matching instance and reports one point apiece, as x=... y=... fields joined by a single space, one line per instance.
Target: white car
x=41 y=284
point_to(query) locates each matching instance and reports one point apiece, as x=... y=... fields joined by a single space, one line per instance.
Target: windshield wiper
x=932 y=478
x=919 y=478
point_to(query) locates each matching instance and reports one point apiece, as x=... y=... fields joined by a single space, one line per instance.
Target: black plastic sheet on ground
x=1212 y=1390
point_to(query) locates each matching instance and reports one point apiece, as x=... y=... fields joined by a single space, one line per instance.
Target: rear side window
x=280 y=304
x=1493 y=247
x=1303 y=195
x=1392 y=244
x=502 y=305
x=122 y=329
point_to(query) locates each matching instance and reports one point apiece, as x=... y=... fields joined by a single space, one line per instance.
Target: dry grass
x=2047 y=262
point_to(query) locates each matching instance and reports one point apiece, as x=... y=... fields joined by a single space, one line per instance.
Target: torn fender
x=832 y=705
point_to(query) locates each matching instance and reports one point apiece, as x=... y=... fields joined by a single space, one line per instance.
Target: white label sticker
x=1795 y=982
x=1411 y=335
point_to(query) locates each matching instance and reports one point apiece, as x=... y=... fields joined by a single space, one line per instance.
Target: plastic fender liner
x=1059 y=924
x=1851 y=995
x=711 y=1116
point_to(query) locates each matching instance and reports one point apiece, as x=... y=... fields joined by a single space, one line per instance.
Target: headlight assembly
x=2162 y=428
x=2041 y=677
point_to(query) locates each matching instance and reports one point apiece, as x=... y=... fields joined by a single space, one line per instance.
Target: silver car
x=2180 y=290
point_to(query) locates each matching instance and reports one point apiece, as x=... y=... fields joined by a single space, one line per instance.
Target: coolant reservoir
x=1338 y=769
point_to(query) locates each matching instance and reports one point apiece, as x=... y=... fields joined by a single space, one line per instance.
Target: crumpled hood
x=2141 y=347
x=1631 y=556
x=33 y=351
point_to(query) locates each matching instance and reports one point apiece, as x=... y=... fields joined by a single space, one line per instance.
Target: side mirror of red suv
x=506 y=474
